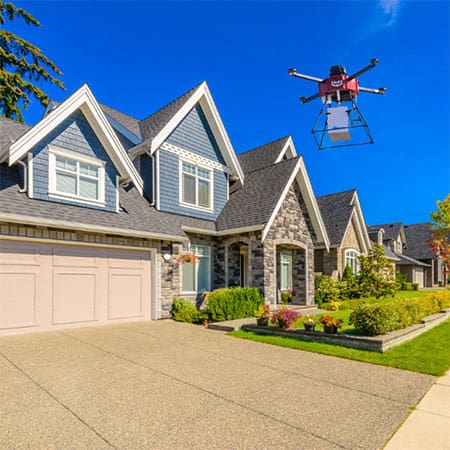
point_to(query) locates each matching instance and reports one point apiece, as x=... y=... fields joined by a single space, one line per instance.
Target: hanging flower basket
x=186 y=258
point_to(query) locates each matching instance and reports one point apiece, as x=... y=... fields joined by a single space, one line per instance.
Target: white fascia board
x=289 y=148
x=188 y=229
x=122 y=130
x=203 y=96
x=300 y=174
x=361 y=222
x=84 y=100
x=38 y=221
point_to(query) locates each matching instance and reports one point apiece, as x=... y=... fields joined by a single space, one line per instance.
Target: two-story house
x=96 y=208
x=347 y=232
x=393 y=238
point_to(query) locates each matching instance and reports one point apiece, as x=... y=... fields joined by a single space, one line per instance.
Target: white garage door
x=44 y=286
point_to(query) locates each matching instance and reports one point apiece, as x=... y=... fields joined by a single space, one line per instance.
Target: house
x=346 y=229
x=417 y=236
x=393 y=238
x=96 y=208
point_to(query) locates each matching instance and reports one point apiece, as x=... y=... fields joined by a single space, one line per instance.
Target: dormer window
x=76 y=177
x=196 y=186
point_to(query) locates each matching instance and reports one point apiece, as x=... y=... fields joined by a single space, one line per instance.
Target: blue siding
x=194 y=134
x=146 y=170
x=76 y=135
x=169 y=193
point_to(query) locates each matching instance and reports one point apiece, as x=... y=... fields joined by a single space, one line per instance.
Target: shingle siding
x=194 y=134
x=74 y=134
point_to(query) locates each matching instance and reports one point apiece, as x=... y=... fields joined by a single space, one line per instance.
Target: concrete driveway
x=166 y=385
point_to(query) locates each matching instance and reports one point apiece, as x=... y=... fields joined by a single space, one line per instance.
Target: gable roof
x=416 y=241
x=157 y=127
x=391 y=230
x=9 y=132
x=83 y=100
x=258 y=201
x=336 y=210
x=126 y=121
x=265 y=155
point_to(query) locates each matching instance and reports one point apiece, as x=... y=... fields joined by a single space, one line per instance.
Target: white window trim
x=211 y=186
x=195 y=292
x=53 y=193
x=346 y=252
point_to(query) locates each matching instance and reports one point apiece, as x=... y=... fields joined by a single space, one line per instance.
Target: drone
x=339 y=114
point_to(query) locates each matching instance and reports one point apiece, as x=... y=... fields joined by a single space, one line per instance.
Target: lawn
x=428 y=353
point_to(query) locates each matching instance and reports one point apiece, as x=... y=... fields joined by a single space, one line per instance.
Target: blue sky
x=138 y=56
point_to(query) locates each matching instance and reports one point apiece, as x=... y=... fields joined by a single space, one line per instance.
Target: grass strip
x=428 y=353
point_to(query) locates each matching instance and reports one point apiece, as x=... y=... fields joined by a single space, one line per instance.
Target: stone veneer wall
x=291 y=226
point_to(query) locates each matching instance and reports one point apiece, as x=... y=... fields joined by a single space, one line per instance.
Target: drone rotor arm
x=294 y=73
x=309 y=99
x=380 y=91
x=373 y=63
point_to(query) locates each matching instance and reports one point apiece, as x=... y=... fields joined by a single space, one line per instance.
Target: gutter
x=188 y=229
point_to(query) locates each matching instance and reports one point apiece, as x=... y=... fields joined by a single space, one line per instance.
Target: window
x=285 y=271
x=76 y=177
x=351 y=259
x=196 y=277
x=196 y=186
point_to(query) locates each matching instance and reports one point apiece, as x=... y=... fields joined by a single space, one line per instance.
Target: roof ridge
x=264 y=145
x=119 y=111
x=190 y=91
x=275 y=164
x=336 y=193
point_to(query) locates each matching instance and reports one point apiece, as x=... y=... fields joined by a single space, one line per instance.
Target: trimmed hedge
x=233 y=303
x=185 y=311
x=372 y=319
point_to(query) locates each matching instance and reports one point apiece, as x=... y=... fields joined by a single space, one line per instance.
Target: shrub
x=415 y=286
x=233 y=303
x=326 y=288
x=372 y=319
x=185 y=311
x=285 y=317
x=348 y=274
x=286 y=296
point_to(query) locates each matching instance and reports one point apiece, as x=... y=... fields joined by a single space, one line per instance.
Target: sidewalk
x=428 y=426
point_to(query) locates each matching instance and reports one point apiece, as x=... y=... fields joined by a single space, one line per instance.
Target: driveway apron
x=166 y=385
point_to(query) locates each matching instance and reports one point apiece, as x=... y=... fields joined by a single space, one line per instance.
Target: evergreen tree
x=22 y=65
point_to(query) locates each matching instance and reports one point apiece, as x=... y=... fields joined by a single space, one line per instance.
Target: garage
x=47 y=286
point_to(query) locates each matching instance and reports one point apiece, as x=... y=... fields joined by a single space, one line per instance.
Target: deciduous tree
x=22 y=66
x=440 y=232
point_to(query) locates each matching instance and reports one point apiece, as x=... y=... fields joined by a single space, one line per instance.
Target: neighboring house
x=346 y=229
x=96 y=207
x=393 y=238
x=417 y=236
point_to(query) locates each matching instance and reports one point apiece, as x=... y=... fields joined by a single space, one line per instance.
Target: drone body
x=333 y=125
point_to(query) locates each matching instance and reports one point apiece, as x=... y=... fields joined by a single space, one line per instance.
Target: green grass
x=428 y=353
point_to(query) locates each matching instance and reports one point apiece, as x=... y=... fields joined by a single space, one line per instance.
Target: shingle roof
x=136 y=214
x=405 y=260
x=254 y=202
x=336 y=210
x=10 y=131
x=260 y=157
x=391 y=230
x=154 y=123
x=130 y=123
x=416 y=236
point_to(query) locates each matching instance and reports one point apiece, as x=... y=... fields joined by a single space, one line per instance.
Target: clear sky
x=138 y=56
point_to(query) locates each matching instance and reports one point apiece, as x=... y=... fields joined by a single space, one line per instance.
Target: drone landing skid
x=341 y=126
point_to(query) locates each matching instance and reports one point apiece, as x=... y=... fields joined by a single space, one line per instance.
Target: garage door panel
x=124 y=259
x=20 y=254
x=17 y=300
x=75 y=257
x=125 y=296
x=74 y=298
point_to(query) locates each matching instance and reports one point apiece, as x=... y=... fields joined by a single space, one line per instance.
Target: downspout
x=25 y=177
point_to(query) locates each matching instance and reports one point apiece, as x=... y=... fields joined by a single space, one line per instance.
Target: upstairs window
x=77 y=178
x=351 y=259
x=196 y=186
